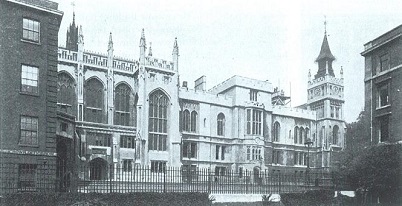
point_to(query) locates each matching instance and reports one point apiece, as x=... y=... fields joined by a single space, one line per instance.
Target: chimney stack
x=200 y=83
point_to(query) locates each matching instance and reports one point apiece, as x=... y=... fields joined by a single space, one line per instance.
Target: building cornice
x=383 y=73
x=372 y=48
x=41 y=8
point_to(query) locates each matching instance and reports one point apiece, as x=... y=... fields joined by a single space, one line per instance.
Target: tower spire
x=325 y=58
x=73 y=4
x=72 y=35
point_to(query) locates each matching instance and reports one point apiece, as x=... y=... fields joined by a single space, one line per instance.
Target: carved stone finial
x=175 y=47
x=142 y=40
x=150 y=49
x=341 y=72
x=80 y=36
x=110 y=44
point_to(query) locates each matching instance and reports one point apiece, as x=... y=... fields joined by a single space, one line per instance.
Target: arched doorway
x=257 y=176
x=98 y=169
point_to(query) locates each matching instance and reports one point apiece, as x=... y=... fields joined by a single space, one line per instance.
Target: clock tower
x=326 y=97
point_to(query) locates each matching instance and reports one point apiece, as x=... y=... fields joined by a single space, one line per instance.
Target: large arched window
x=123 y=103
x=66 y=97
x=94 y=102
x=193 y=121
x=186 y=120
x=158 y=116
x=335 y=135
x=296 y=134
x=189 y=121
x=254 y=119
x=301 y=136
x=220 y=124
x=276 y=132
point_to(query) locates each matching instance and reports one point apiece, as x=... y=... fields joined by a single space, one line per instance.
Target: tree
x=378 y=170
x=372 y=168
x=357 y=138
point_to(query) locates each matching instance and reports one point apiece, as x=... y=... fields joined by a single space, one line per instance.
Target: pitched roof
x=325 y=52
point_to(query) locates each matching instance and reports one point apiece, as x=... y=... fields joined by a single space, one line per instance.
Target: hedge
x=98 y=199
x=310 y=198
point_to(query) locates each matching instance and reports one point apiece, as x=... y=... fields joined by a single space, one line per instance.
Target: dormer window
x=253 y=95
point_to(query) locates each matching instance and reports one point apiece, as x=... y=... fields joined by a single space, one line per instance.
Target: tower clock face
x=336 y=90
x=317 y=91
x=258 y=140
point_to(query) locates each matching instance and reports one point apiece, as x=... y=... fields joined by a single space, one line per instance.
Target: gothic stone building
x=131 y=112
x=28 y=83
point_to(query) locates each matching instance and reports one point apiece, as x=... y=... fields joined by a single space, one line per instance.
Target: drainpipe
x=371 y=112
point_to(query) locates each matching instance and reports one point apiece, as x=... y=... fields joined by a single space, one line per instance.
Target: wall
x=389 y=44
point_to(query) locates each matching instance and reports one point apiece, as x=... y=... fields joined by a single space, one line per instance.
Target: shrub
x=68 y=199
x=378 y=170
x=308 y=198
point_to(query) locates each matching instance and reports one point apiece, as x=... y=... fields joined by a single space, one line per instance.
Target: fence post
x=209 y=180
x=279 y=179
x=247 y=180
x=110 y=178
x=164 y=179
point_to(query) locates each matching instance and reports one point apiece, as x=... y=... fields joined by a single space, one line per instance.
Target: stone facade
x=240 y=124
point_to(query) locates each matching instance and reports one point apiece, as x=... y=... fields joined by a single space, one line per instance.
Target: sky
x=261 y=39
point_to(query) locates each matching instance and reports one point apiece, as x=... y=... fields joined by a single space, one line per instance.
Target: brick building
x=383 y=86
x=28 y=79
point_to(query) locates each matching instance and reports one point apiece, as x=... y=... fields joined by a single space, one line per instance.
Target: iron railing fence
x=27 y=178
x=109 y=178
